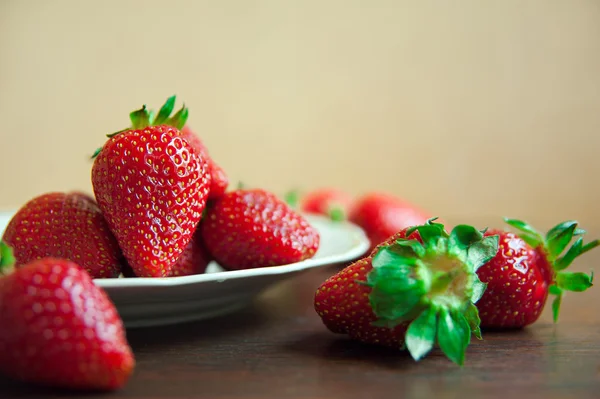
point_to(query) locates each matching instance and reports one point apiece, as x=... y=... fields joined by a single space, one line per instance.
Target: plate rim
x=360 y=247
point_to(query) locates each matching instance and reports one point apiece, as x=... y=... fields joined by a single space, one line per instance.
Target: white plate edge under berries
x=345 y=233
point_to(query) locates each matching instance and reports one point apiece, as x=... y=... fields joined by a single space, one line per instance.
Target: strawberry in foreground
x=249 y=228
x=59 y=329
x=64 y=225
x=381 y=215
x=415 y=291
x=152 y=188
x=528 y=267
x=330 y=202
x=219 y=179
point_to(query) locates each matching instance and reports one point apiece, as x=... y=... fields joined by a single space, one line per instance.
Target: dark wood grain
x=278 y=348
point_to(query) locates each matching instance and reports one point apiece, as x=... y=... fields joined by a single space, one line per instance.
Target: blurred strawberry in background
x=382 y=214
x=330 y=202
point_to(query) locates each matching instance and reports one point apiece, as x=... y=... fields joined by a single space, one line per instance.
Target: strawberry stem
x=143 y=117
x=433 y=285
x=7 y=259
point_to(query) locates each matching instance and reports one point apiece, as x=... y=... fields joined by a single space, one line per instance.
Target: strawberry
x=152 y=188
x=193 y=260
x=381 y=215
x=413 y=292
x=59 y=329
x=527 y=268
x=64 y=225
x=219 y=179
x=330 y=202
x=249 y=228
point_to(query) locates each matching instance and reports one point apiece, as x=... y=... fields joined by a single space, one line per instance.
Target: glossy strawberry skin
x=344 y=307
x=517 y=290
x=253 y=228
x=64 y=225
x=194 y=260
x=152 y=187
x=60 y=329
x=381 y=215
x=323 y=201
x=219 y=179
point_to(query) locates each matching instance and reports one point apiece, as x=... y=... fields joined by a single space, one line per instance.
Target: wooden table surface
x=278 y=348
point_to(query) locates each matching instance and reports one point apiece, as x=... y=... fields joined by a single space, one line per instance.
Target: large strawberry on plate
x=64 y=225
x=152 y=187
x=59 y=329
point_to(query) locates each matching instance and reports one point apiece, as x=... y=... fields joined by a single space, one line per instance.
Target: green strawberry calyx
x=335 y=212
x=554 y=246
x=432 y=285
x=143 y=117
x=7 y=259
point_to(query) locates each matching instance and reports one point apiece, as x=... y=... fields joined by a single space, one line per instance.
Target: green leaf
x=430 y=234
x=572 y=281
x=179 y=119
x=472 y=316
x=589 y=246
x=392 y=278
x=393 y=307
x=453 y=335
x=140 y=118
x=7 y=259
x=579 y=232
x=560 y=227
x=554 y=290
x=393 y=255
x=569 y=257
x=532 y=234
x=558 y=241
x=420 y=335
x=165 y=111
x=556 y=307
x=482 y=251
x=463 y=236
x=336 y=214
x=292 y=198
x=479 y=288
x=414 y=245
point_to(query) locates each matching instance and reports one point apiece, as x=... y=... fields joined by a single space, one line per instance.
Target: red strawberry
x=416 y=291
x=59 y=329
x=526 y=269
x=64 y=225
x=219 y=179
x=382 y=214
x=253 y=228
x=330 y=202
x=193 y=260
x=152 y=187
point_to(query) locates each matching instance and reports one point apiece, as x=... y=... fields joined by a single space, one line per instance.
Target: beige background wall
x=466 y=107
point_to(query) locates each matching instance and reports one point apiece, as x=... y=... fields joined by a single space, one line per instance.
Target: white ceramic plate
x=144 y=302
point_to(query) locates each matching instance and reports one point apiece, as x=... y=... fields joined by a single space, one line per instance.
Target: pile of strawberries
x=421 y=286
x=160 y=209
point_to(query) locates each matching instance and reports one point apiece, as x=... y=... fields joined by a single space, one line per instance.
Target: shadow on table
x=338 y=348
x=220 y=327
